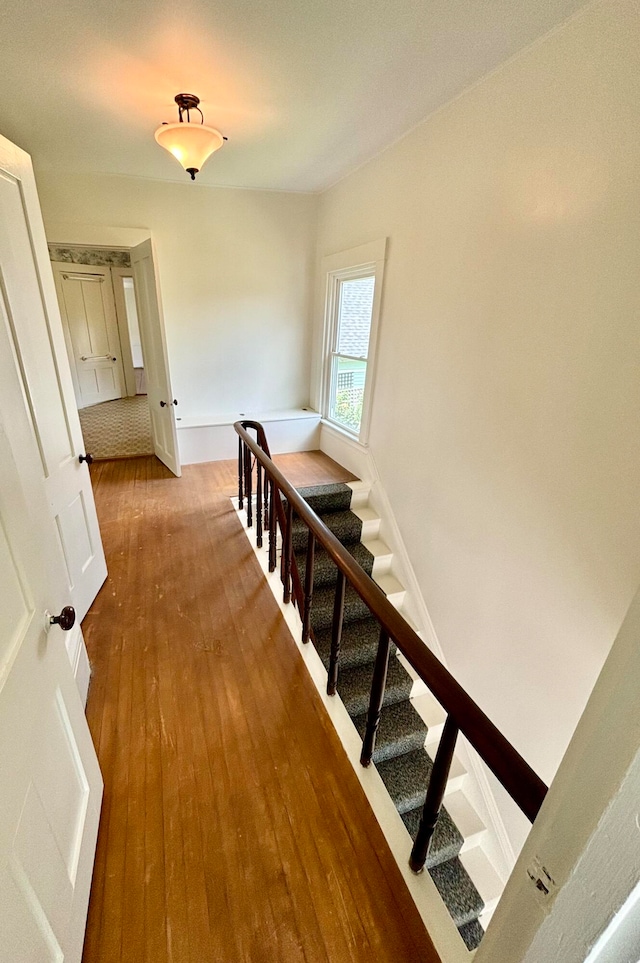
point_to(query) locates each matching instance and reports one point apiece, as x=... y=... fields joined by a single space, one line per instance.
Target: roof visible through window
x=354 y=319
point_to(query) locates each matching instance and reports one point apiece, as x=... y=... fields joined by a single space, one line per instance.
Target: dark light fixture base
x=187 y=101
x=193 y=171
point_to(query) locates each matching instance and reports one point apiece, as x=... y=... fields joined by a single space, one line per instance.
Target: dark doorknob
x=66 y=620
x=88 y=458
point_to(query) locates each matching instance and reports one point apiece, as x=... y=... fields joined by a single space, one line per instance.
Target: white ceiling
x=306 y=90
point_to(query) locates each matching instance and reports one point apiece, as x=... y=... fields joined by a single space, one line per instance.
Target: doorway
x=96 y=294
x=114 y=335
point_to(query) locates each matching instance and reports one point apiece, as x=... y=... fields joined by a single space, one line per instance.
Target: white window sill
x=344 y=433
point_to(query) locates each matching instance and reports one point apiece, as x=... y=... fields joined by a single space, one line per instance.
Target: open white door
x=88 y=309
x=50 y=783
x=31 y=306
x=154 y=349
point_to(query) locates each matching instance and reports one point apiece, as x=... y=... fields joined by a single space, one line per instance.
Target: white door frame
x=117 y=273
x=63 y=233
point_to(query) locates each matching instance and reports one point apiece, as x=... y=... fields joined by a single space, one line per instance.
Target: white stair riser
x=370 y=529
x=359 y=494
x=455 y=784
x=381 y=566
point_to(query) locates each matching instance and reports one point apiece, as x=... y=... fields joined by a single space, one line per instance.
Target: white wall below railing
x=357 y=458
x=212 y=438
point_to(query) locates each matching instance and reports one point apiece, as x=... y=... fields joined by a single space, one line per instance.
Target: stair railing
x=273 y=493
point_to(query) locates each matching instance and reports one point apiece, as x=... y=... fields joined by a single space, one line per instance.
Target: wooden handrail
x=521 y=782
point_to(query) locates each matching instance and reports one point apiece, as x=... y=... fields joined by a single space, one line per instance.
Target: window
x=350 y=327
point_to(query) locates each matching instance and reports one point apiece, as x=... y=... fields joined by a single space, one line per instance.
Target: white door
x=156 y=366
x=50 y=783
x=32 y=309
x=88 y=309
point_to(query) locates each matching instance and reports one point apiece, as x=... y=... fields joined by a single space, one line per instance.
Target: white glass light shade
x=190 y=144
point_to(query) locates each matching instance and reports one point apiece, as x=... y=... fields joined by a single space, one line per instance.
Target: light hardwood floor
x=233 y=828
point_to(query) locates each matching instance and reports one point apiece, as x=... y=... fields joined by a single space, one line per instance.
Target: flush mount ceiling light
x=190 y=143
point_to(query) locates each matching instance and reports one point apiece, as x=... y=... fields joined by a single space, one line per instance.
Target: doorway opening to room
x=96 y=293
x=114 y=336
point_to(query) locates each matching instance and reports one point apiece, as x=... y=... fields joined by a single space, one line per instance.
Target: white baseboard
x=212 y=438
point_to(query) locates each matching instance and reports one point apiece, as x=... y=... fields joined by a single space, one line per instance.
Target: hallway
x=233 y=828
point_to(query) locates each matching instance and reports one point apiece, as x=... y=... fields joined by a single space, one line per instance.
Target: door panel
x=87 y=306
x=20 y=300
x=75 y=538
x=29 y=309
x=156 y=365
x=15 y=609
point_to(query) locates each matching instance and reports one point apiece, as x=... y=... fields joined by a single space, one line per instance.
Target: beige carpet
x=117 y=429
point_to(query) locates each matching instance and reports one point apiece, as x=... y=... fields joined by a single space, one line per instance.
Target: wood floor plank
x=233 y=828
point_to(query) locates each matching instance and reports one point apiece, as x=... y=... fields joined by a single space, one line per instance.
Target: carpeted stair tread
x=458 y=892
x=472 y=934
x=407 y=778
x=346 y=526
x=324 y=568
x=354 y=686
x=359 y=642
x=322 y=607
x=327 y=498
x=401 y=730
x=447 y=839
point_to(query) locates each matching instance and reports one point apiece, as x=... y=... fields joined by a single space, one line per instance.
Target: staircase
x=400 y=756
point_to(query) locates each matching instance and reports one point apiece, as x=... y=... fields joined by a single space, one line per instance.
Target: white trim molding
x=365 y=260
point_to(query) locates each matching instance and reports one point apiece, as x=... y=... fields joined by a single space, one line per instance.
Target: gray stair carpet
x=400 y=756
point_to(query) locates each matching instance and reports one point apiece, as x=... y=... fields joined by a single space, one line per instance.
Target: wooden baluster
x=273 y=532
x=266 y=498
x=286 y=553
x=336 y=634
x=435 y=795
x=245 y=462
x=240 y=471
x=376 y=698
x=258 y=504
x=247 y=487
x=308 y=586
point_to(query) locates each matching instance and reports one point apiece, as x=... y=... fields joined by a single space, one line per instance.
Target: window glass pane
x=354 y=316
x=347 y=393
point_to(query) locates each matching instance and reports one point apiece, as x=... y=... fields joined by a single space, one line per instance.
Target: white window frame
x=364 y=261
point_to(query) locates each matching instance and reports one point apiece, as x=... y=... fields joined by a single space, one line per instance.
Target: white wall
x=586 y=835
x=505 y=418
x=235 y=269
